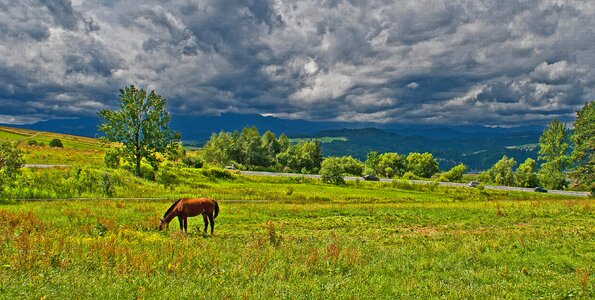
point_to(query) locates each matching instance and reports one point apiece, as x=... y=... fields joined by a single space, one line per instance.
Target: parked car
x=540 y=189
x=371 y=178
x=473 y=183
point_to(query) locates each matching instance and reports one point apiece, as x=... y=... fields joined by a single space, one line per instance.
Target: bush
x=56 y=143
x=455 y=174
x=193 y=162
x=166 y=175
x=410 y=176
x=217 y=173
x=331 y=171
x=32 y=143
x=11 y=162
x=112 y=158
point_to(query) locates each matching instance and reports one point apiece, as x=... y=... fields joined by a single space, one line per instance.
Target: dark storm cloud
x=488 y=62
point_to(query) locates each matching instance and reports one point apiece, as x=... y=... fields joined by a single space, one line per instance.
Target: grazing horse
x=184 y=208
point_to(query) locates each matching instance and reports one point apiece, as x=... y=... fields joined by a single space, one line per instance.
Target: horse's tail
x=216 y=208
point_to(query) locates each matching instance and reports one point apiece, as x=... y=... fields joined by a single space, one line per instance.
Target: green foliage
x=193 y=162
x=422 y=165
x=112 y=158
x=553 y=147
x=33 y=143
x=351 y=165
x=217 y=173
x=525 y=175
x=11 y=161
x=410 y=176
x=332 y=171
x=372 y=163
x=251 y=151
x=455 y=174
x=500 y=173
x=166 y=175
x=392 y=164
x=583 y=138
x=56 y=143
x=141 y=124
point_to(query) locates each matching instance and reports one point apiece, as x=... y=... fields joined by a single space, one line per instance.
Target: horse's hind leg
x=204 y=217
x=212 y=220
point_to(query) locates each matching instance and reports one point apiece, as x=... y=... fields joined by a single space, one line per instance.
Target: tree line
x=140 y=124
x=563 y=153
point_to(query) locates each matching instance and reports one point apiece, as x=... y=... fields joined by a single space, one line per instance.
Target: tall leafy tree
x=422 y=165
x=140 y=123
x=583 y=138
x=392 y=163
x=501 y=172
x=372 y=163
x=553 y=148
x=525 y=175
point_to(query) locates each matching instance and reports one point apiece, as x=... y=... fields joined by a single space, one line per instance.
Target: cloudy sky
x=452 y=62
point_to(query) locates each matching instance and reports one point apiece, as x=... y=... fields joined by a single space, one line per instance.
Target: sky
x=495 y=63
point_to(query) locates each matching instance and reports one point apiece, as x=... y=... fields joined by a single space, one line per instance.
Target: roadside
x=353 y=178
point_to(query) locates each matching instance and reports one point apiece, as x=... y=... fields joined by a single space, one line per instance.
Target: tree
x=392 y=163
x=501 y=172
x=372 y=162
x=11 y=161
x=422 y=165
x=583 y=138
x=351 y=166
x=331 y=171
x=455 y=174
x=56 y=143
x=525 y=174
x=553 y=147
x=141 y=124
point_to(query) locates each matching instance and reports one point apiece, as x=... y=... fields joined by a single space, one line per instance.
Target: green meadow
x=278 y=237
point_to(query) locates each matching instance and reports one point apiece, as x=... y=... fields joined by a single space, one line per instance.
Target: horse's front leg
x=181 y=220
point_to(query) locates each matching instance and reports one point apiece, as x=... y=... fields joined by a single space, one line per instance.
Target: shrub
x=32 y=143
x=11 y=162
x=455 y=174
x=56 y=143
x=166 y=175
x=410 y=176
x=331 y=171
x=112 y=158
x=217 y=173
x=193 y=162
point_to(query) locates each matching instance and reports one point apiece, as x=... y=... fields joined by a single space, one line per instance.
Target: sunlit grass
x=531 y=249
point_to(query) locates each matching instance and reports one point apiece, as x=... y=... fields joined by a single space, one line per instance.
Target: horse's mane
x=171 y=207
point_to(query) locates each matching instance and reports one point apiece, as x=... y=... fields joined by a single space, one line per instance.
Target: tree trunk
x=138 y=159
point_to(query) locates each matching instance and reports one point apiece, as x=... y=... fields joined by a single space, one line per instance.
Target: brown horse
x=184 y=208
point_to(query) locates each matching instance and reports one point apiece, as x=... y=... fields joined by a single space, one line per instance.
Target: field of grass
x=301 y=249
x=280 y=237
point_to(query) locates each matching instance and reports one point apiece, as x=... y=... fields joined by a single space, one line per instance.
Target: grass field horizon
x=361 y=240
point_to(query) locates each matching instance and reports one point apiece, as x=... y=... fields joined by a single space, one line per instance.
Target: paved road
x=353 y=178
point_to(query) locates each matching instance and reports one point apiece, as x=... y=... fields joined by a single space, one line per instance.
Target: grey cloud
x=488 y=62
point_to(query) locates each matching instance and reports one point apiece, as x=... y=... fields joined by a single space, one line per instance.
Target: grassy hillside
x=76 y=150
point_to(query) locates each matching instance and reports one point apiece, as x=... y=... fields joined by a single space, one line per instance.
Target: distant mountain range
x=479 y=147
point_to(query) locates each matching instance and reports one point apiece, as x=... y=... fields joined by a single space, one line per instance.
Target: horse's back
x=197 y=206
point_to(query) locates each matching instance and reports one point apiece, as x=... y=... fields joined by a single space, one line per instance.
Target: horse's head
x=162 y=223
